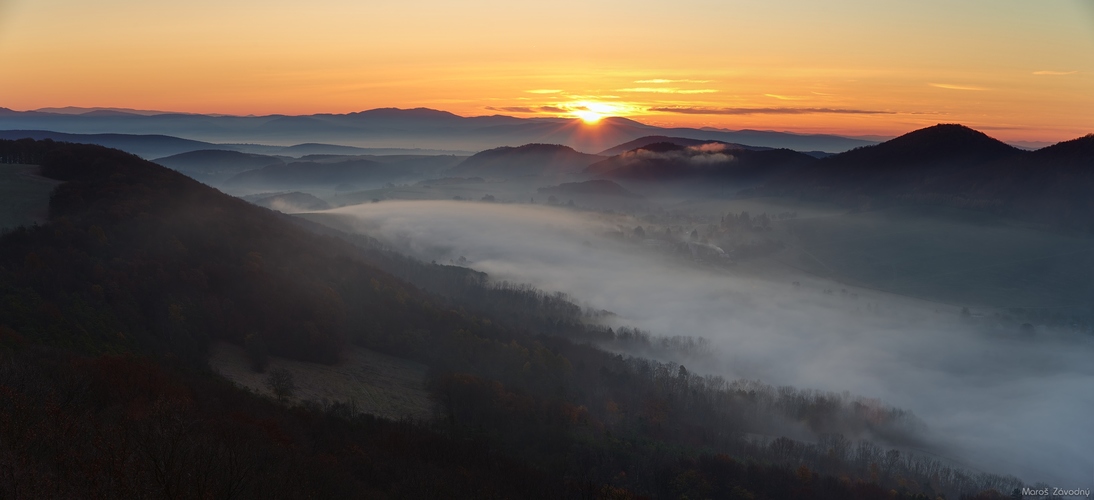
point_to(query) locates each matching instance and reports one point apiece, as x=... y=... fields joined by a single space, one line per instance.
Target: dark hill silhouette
x=150 y=146
x=341 y=171
x=903 y=163
x=668 y=162
x=289 y=202
x=530 y=160
x=1051 y=186
x=397 y=114
x=679 y=141
x=213 y=250
x=145 y=146
x=939 y=144
x=298 y=174
x=313 y=148
x=214 y=165
x=956 y=166
x=1076 y=153
x=109 y=113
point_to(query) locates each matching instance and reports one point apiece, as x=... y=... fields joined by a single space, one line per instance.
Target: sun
x=593 y=112
x=588 y=116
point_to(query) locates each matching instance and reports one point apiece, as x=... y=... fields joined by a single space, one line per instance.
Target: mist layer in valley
x=992 y=400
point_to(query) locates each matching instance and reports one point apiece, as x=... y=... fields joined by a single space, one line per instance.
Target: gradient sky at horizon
x=1016 y=69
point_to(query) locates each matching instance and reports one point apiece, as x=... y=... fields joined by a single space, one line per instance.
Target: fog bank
x=1002 y=403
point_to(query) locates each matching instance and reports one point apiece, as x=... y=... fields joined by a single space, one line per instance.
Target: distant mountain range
x=143 y=145
x=397 y=128
x=156 y=146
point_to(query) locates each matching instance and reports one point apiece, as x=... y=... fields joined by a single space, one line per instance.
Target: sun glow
x=589 y=117
x=593 y=112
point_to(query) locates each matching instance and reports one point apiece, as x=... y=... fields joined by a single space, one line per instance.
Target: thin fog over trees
x=810 y=334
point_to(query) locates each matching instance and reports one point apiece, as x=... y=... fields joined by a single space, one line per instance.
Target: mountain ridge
x=957 y=166
x=402 y=128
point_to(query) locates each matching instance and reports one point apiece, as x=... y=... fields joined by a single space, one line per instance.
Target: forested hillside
x=953 y=165
x=107 y=312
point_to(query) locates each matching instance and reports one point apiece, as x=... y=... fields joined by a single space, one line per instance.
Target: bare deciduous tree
x=281 y=383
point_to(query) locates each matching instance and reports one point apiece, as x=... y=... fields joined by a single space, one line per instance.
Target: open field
x=376 y=383
x=950 y=256
x=24 y=195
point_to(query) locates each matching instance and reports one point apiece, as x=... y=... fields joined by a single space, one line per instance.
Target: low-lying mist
x=997 y=402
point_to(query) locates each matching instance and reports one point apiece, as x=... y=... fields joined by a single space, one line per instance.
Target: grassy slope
x=24 y=195
x=375 y=383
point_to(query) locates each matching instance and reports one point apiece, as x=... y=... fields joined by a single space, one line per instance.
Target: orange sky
x=1016 y=69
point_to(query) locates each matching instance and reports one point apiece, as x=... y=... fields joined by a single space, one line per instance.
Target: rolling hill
x=679 y=141
x=530 y=160
x=956 y=166
x=292 y=202
x=145 y=146
x=667 y=162
x=903 y=163
x=1052 y=185
x=316 y=174
x=214 y=165
x=340 y=172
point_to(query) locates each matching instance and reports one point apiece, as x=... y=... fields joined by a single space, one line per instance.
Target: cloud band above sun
x=767 y=111
x=663 y=80
x=666 y=90
x=950 y=86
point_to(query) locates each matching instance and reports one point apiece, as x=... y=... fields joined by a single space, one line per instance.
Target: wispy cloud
x=1054 y=73
x=768 y=111
x=786 y=97
x=512 y=109
x=662 y=80
x=592 y=97
x=527 y=109
x=666 y=90
x=543 y=91
x=951 y=86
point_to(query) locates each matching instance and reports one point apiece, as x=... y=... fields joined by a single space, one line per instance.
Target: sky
x=1016 y=69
